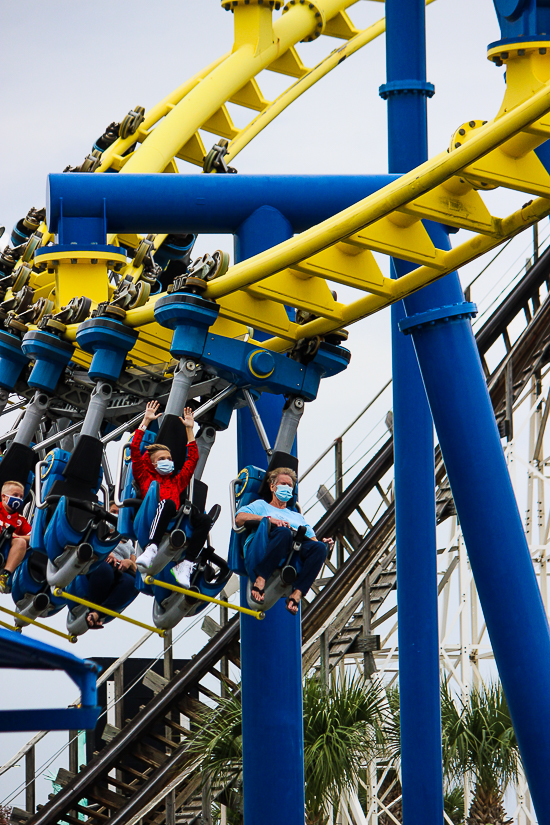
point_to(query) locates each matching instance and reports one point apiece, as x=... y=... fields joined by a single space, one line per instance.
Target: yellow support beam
x=20 y=617
x=418 y=278
x=396 y=195
x=10 y=627
x=62 y=594
x=258 y=614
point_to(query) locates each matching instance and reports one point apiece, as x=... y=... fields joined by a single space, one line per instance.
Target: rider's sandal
x=294 y=602
x=95 y=624
x=260 y=591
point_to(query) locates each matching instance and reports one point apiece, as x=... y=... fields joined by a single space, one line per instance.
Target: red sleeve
x=184 y=476
x=138 y=462
x=23 y=529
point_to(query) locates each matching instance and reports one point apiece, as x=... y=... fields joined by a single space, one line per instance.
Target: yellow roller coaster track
x=446 y=189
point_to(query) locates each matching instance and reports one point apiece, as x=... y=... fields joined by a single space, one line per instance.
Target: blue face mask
x=14 y=503
x=283 y=492
x=165 y=466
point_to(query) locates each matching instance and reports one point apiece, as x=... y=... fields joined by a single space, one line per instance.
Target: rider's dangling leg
x=312 y=555
x=183 y=571
x=110 y=588
x=166 y=511
x=277 y=550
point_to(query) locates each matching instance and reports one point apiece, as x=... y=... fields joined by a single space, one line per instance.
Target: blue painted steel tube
x=202 y=203
x=271 y=651
x=490 y=520
x=420 y=706
x=485 y=501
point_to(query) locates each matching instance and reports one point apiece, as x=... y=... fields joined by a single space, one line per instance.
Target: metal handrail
x=38 y=503
x=232 y=485
x=347 y=429
x=118 y=476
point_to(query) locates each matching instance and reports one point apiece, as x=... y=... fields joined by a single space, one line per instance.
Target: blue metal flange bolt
x=12 y=360
x=261 y=364
x=189 y=316
x=110 y=342
x=50 y=354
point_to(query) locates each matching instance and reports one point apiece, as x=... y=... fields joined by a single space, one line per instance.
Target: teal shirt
x=262 y=508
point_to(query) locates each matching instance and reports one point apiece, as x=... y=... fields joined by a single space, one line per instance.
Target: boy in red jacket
x=10 y=516
x=157 y=465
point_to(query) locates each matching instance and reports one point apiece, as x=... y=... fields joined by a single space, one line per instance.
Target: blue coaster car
x=30 y=590
x=136 y=516
x=247 y=545
x=210 y=577
x=69 y=524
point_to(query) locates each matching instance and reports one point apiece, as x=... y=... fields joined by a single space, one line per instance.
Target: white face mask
x=283 y=492
x=165 y=466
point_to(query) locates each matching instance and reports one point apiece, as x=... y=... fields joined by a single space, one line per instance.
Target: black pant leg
x=164 y=515
x=101 y=581
x=312 y=554
x=122 y=592
x=201 y=527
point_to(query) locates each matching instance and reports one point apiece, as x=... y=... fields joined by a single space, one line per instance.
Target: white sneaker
x=183 y=571
x=146 y=559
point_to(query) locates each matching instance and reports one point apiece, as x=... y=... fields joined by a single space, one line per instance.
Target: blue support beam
x=406 y=91
x=438 y=320
x=271 y=651
x=198 y=203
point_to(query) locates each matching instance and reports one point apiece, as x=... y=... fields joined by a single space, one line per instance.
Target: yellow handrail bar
x=258 y=614
x=72 y=639
x=99 y=609
x=9 y=626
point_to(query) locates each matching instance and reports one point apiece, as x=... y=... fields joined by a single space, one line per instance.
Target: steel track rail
x=201 y=102
x=430 y=191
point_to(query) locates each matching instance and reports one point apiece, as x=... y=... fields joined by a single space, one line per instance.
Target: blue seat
x=28 y=582
x=72 y=516
x=136 y=515
x=210 y=577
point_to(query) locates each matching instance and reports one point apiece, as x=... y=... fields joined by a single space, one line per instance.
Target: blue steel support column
x=439 y=323
x=489 y=516
x=271 y=650
x=420 y=708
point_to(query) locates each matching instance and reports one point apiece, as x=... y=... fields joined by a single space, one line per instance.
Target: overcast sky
x=70 y=68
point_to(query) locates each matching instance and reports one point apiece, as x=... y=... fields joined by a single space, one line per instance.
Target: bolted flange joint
x=229 y=5
x=319 y=17
x=406 y=87
x=439 y=315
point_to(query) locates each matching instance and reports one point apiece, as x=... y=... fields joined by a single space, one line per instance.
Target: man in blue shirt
x=312 y=554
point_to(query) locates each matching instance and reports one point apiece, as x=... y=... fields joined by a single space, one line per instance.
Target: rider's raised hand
x=151 y=413
x=187 y=418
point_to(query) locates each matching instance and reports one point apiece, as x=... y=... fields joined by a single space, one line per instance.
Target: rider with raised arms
x=157 y=465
